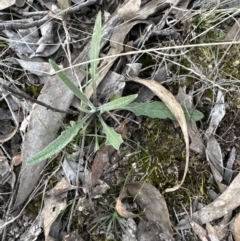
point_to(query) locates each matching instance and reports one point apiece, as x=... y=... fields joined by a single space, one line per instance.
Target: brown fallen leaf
x=235 y=227
x=54 y=203
x=199 y=231
x=151 y=201
x=101 y=161
x=222 y=205
x=197 y=144
x=212 y=232
x=129 y=9
x=170 y=101
x=233 y=34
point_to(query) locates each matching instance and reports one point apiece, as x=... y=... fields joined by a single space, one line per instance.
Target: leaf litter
x=128 y=22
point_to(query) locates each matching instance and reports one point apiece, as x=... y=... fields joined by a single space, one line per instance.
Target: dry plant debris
x=182 y=52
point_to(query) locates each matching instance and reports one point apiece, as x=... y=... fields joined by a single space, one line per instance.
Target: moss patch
x=163 y=162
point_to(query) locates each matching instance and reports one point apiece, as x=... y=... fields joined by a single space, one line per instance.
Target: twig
x=21 y=24
x=27 y=97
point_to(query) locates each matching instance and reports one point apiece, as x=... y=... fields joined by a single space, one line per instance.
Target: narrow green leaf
x=70 y=84
x=58 y=144
x=116 y=104
x=159 y=110
x=113 y=138
x=95 y=49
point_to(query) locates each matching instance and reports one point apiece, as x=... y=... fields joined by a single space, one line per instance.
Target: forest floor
x=122 y=125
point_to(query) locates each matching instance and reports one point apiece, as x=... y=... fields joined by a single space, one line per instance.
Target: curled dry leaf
x=177 y=111
x=120 y=208
x=4 y=138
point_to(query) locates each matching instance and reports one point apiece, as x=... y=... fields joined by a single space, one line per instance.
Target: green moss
x=34 y=90
x=163 y=163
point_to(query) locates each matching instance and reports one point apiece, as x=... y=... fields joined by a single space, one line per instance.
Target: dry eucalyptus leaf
x=6 y=3
x=212 y=232
x=199 y=231
x=54 y=203
x=85 y=176
x=129 y=9
x=214 y=157
x=20 y=41
x=151 y=231
x=131 y=230
x=112 y=84
x=177 y=111
x=222 y=205
x=47 y=36
x=227 y=176
x=151 y=7
x=32 y=233
x=151 y=201
x=233 y=34
x=217 y=113
x=69 y=169
x=43 y=127
x=72 y=236
x=36 y=66
x=223 y=227
x=101 y=162
x=5 y=171
x=196 y=140
x=235 y=227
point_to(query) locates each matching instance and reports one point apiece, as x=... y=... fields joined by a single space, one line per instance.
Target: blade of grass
x=71 y=85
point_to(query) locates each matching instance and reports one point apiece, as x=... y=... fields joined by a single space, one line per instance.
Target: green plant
x=111 y=221
x=155 y=109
